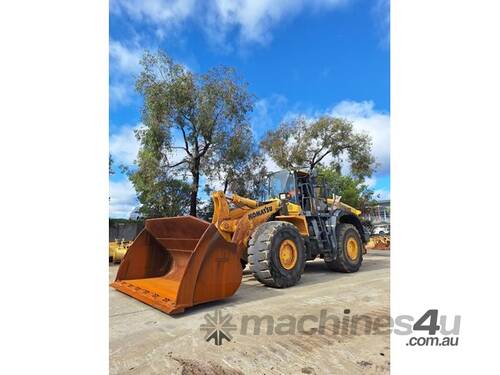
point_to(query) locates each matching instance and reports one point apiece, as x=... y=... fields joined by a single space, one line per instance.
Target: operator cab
x=279 y=183
x=295 y=184
x=298 y=187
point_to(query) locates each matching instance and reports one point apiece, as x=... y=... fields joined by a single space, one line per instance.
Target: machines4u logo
x=218 y=327
x=431 y=329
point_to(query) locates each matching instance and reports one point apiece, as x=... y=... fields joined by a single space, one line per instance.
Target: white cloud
x=122 y=198
x=250 y=20
x=124 y=59
x=254 y=20
x=124 y=64
x=120 y=93
x=376 y=124
x=123 y=145
x=382 y=14
x=156 y=11
x=370 y=182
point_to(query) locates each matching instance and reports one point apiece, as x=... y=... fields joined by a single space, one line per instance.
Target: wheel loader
x=117 y=250
x=179 y=262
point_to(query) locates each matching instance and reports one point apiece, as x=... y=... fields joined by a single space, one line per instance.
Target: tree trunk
x=194 y=189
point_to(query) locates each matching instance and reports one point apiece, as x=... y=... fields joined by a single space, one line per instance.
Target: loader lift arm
x=236 y=225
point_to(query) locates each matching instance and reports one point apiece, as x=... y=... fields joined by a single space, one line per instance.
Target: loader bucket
x=179 y=262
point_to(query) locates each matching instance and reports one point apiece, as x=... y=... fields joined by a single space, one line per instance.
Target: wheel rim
x=352 y=248
x=288 y=254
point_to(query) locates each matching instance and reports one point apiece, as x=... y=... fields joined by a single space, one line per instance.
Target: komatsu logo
x=260 y=212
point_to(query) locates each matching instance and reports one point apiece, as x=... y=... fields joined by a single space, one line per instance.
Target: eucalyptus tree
x=327 y=141
x=186 y=116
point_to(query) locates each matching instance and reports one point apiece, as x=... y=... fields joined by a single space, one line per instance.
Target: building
x=379 y=213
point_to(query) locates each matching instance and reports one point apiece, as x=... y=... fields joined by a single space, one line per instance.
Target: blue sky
x=308 y=57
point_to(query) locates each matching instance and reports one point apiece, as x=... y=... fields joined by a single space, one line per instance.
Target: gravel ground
x=146 y=341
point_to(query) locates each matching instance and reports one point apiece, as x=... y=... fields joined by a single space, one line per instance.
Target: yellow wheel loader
x=117 y=250
x=179 y=262
x=112 y=247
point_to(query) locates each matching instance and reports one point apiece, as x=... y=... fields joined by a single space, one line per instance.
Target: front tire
x=276 y=254
x=350 y=249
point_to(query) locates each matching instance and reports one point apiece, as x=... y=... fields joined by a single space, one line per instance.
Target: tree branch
x=205 y=149
x=185 y=141
x=177 y=164
x=216 y=118
x=316 y=153
x=190 y=120
x=320 y=158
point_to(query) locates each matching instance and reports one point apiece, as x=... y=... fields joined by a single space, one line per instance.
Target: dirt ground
x=146 y=341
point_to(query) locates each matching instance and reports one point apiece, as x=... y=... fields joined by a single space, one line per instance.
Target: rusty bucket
x=179 y=262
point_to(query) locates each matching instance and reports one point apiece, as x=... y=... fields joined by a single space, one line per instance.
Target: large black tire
x=263 y=254
x=343 y=263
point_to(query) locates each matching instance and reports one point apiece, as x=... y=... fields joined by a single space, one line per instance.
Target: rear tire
x=347 y=236
x=276 y=254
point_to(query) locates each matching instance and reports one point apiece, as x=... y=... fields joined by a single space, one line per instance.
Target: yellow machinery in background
x=379 y=242
x=118 y=249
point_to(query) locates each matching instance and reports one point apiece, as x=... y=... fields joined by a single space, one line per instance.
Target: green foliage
x=353 y=190
x=237 y=162
x=161 y=196
x=300 y=143
x=251 y=182
x=206 y=211
x=196 y=124
x=204 y=110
